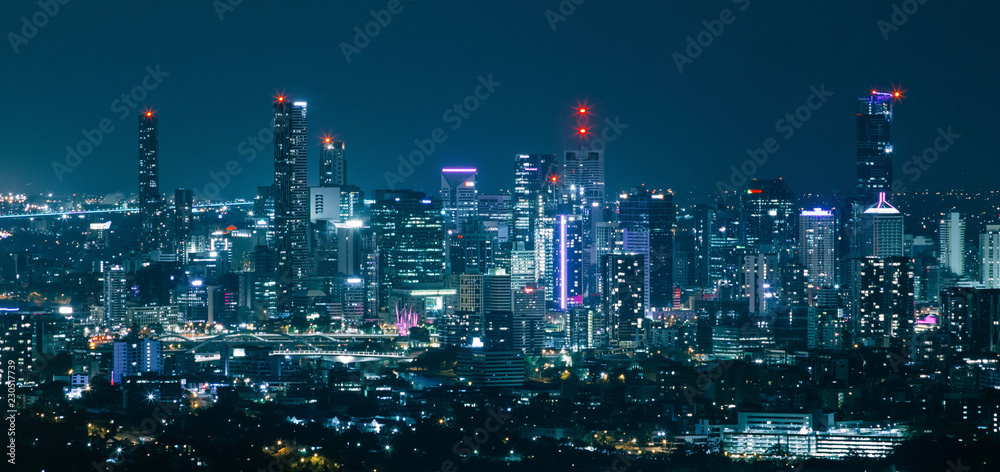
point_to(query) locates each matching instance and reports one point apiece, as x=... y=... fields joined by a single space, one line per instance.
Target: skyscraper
x=150 y=204
x=760 y=281
x=183 y=200
x=874 y=162
x=498 y=315
x=535 y=176
x=623 y=308
x=568 y=260
x=989 y=253
x=817 y=243
x=767 y=214
x=651 y=212
x=114 y=298
x=951 y=235
x=409 y=241
x=332 y=164
x=582 y=175
x=884 y=297
x=459 y=196
x=291 y=200
x=529 y=318
x=881 y=233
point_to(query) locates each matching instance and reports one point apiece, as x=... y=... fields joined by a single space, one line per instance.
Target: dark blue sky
x=684 y=129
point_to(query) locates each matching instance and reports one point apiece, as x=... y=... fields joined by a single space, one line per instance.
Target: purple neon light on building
x=562 y=262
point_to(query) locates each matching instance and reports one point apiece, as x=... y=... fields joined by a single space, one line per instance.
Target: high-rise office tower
x=114 y=298
x=347 y=302
x=467 y=323
x=767 y=215
x=884 y=296
x=350 y=247
x=498 y=313
x=881 y=231
x=694 y=229
x=972 y=315
x=796 y=289
x=582 y=175
x=150 y=204
x=651 y=212
x=623 y=308
x=818 y=243
x=526 y=181
x=408 y=228
x=568 y=261
x=183 y=203
x=352 y=203
x=324 y=214
x=473 y=251
x=582 y=192
x=725 y=253
x=535 y=178
x=989 y=253
x=291 y=201
x=760 y=281
x=497 y=214
x=332 y=164
x=874 y=162
x=459 y=196
x=18 y=345
x=951 y=235
x=263 y=212
x=529 y=318
x=522 y=266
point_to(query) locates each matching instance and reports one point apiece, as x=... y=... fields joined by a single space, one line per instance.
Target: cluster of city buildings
x=558 y=269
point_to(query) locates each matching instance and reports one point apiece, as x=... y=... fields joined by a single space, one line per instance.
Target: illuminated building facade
x=291 y=201
x=459 y=197
x=152 y=229
x=332 y=163
x=874 y=161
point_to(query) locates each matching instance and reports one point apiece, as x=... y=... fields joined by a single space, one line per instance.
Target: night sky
x=684 y=129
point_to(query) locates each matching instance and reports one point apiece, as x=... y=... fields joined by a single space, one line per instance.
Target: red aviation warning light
x=583 y=130
x=148 y=112
x=898 y=93
x=583 y=110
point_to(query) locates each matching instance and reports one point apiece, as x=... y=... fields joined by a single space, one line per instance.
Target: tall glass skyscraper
x=183 y=217
x=459 y=196
x=881 y=233
x=582 y=177
x=874 y=163
x=150 y=205
x=409 y=240
x=291 y=200
x=332 y=164
x=951 y=235
x=817 y=243
x=767 y=214
x=642 y=212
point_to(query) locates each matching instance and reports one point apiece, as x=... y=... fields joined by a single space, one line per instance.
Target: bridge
x=348 y=356
x=114 y=210
x=336 y=346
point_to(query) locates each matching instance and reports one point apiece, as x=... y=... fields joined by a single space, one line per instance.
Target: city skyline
x=594 y=236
